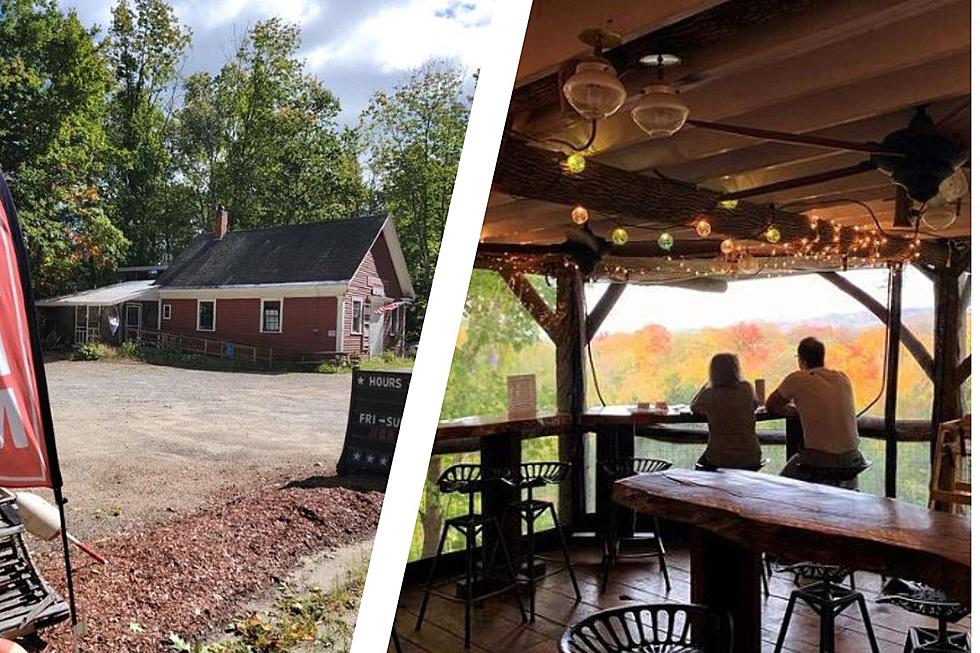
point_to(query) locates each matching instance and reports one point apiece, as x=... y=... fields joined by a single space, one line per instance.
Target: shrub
x=131 y=349
x=93 y=351
x=327 y=367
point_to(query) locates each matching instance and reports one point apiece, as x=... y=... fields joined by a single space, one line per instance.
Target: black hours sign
x=377 y=401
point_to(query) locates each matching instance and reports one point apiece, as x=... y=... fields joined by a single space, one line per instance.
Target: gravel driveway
x=140 y=443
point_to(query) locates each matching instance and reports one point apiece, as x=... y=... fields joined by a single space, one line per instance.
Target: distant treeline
x=116 y=156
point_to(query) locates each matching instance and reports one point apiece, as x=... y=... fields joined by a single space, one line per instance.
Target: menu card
x=522 y=396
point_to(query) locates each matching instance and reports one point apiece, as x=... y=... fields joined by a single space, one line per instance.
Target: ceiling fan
x=919 y=158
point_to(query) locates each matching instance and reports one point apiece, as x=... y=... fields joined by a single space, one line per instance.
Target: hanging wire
x=561 y=141
x=884 y=361
x=595 y=379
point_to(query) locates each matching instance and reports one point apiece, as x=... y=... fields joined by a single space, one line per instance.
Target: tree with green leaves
x=145 y=46
x=413 y=138
x=53 y=82
x=261 y=137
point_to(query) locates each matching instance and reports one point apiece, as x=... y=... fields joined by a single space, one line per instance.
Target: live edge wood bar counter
x=735 y=515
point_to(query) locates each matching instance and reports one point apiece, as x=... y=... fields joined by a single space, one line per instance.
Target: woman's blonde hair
x=724 y=370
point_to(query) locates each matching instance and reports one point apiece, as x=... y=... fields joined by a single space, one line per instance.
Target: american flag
x=387 y=308
x=23 y=445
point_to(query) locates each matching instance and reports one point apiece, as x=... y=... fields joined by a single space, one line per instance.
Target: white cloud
x=221 y=12
x=404 y=36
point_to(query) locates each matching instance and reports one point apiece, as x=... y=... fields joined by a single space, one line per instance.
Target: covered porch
x=780 y=166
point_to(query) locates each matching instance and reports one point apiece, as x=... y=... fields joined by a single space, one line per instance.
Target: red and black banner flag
x=28 y=457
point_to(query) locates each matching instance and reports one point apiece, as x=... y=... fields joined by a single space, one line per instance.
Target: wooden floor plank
x=497 y=625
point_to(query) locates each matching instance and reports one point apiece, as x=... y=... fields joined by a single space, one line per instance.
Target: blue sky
x=355 y=46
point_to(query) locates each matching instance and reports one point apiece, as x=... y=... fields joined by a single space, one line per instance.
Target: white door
x=376 y=330
x=134 y=321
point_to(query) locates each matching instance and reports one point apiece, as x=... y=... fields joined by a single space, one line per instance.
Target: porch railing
x=207 y=346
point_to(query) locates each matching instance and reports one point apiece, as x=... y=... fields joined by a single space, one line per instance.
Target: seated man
x=824 y=401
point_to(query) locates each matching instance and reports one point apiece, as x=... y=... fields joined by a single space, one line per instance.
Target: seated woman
x=729 y=402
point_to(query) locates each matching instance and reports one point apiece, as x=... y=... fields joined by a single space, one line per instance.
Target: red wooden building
x=339 y=286
x=304 y=290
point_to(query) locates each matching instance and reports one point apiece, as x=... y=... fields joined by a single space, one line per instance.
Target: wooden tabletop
x=541 y=423
x=796 y=520
x=631 y=415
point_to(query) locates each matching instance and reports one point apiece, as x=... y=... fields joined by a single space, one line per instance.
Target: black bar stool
x=468 y=479
x=527 y=477
x=611 y=539
x=826 y=595
x=928 y=601
x=656 y=628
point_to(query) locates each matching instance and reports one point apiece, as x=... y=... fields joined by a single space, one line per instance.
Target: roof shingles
x=300 y=253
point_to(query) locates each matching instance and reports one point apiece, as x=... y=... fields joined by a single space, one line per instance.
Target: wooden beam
x=528 y=295
x=534 y=173
x=963 y=370
x=906 y=337
x=800 y=182
x=891 y=378
x=624 y=145
x=601 y=310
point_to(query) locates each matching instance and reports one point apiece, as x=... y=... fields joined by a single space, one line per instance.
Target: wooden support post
x=949 y=335
x=570 y=341
x=912 y=343
x=891 y=377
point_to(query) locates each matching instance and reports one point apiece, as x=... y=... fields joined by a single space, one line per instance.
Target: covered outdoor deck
x=498 y=626
x=776 y=170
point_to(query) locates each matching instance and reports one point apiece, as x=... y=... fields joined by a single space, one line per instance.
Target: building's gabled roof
x=321 y=252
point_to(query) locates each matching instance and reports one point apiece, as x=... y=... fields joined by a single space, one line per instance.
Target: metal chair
x=468 y=479
x=526 y=478
x=928 y=601
x=828 y=598
x=611 y=540
x=658 y=628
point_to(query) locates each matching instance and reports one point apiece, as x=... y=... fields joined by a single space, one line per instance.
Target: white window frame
x=166 y=311
x=262 y=304
x=356 y=326
x=214 y=314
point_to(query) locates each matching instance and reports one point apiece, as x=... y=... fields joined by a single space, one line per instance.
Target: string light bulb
x=727 y=246
x=574 y=163
x=773 y=235
x=666 y=241
x=580 y=215
x=748 y=264
x=703 y=228
x=728 y=204
x=620 y=237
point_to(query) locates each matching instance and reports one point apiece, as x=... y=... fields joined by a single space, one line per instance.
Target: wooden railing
x=207 y=346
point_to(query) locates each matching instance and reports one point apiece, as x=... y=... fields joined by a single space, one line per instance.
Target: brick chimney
x=220 y=222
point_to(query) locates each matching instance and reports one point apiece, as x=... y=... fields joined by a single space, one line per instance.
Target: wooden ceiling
x=835 y=68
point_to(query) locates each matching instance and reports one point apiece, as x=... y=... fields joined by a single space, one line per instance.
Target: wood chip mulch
x=193 y=574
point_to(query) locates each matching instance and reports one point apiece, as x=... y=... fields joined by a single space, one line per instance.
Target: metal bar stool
x=527 y=477
x=925 y=600
x=468 y=479
x=828 y=598
x=611 y=539
x=826 y=595
x=656 y=628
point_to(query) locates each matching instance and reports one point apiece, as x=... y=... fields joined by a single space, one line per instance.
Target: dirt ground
x=140 y=444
